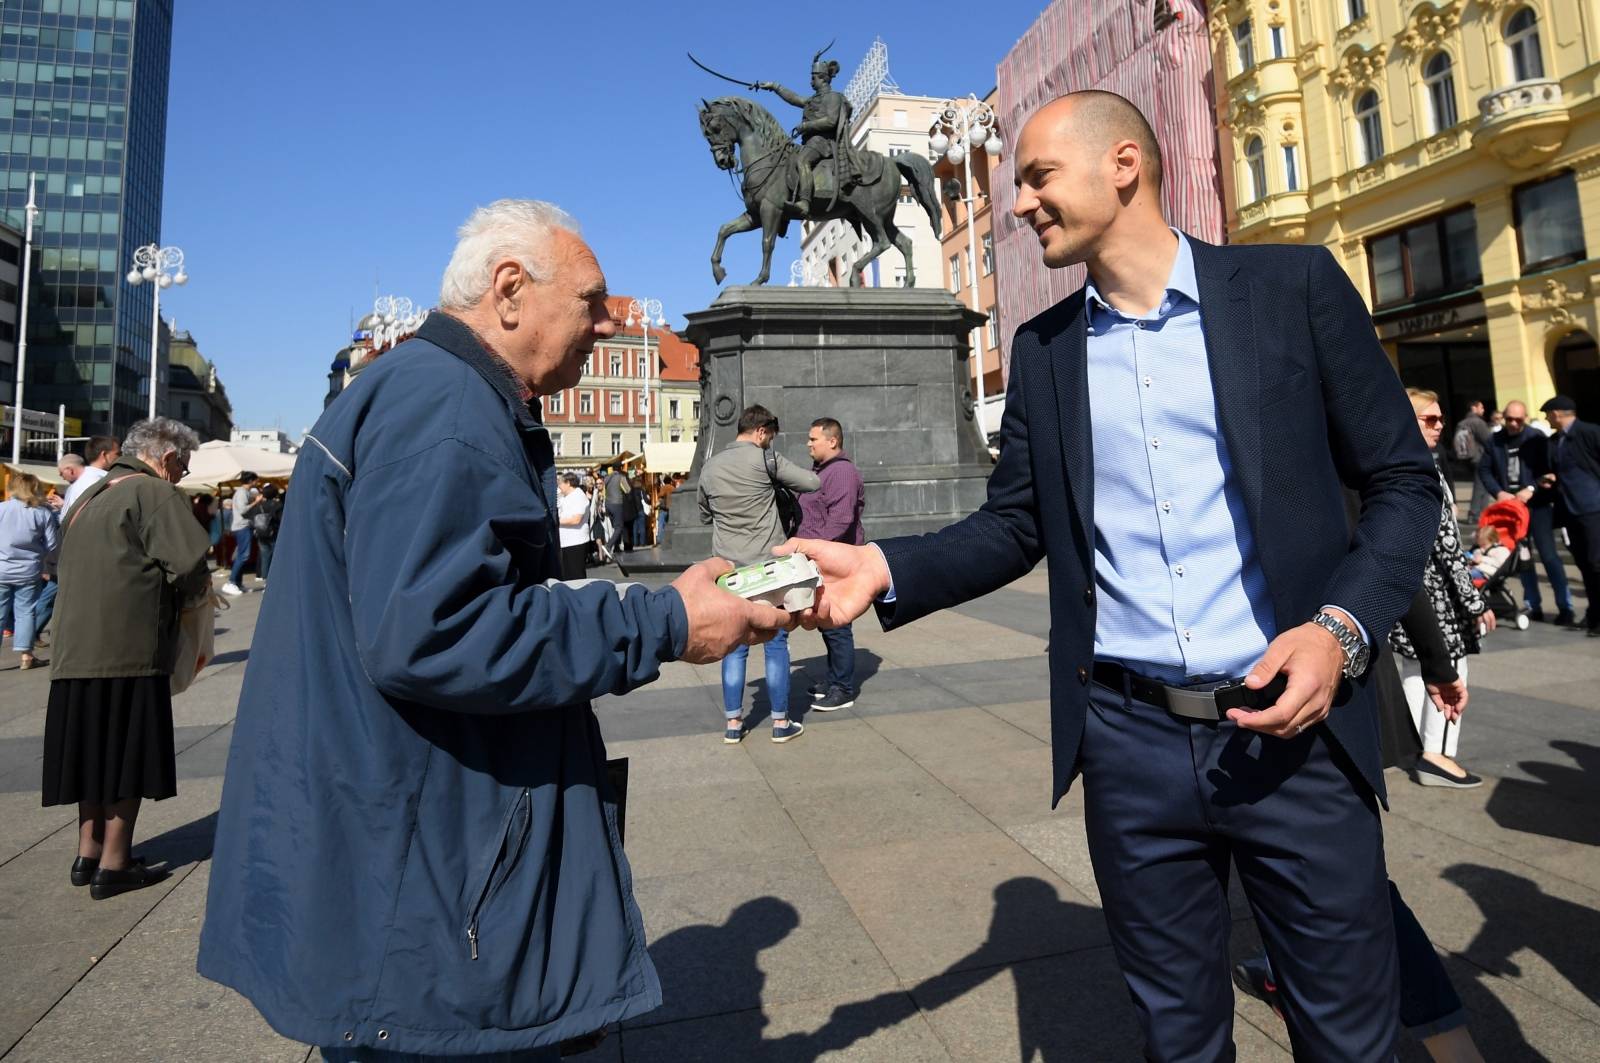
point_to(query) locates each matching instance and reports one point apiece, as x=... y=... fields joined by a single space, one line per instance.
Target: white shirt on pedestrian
x=573 y=504
x=86 y=479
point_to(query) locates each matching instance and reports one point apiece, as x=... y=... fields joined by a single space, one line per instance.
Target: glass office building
x=83 y=106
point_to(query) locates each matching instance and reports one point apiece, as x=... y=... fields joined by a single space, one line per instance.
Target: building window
x=641 y=442
x=1291 y=169
x=1369 y=119
x=644 y=402
x=616 y=402
x=695 y=408
x=1431 y=258
x=555 y=444
x=988 y=254
x=644 y=365
x=993 y=329
x=1247 y=50
x=553 y=404
x=1522 y=41
x=616 y=364
x=1441 y=82
x=955 y=272
x=586 y=445
x=675 y=437
x=1275 y=34
x=586 y=402
x=616 y=442
x=673 y=406
x=1256 y=160
x=1357 y=9
x=1549 y=223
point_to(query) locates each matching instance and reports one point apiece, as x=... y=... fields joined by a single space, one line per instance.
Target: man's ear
x=508 y=283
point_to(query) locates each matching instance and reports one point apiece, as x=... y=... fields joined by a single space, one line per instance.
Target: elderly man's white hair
x=154 y=438
x=506 y=228
x=67 y=461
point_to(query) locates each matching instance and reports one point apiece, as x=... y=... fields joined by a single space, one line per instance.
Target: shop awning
x=668 y=457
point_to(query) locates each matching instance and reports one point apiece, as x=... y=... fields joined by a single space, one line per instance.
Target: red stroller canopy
x=1509 y=518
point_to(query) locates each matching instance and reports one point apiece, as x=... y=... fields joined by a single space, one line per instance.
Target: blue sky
x=326 y=147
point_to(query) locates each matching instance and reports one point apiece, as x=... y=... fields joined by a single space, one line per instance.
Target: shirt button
x=1155 y=443
x=1166 y=507
x=1147 y=381
x=1178 y=569
x=1142 y=324
x=1083 y=676
x=1187 y=634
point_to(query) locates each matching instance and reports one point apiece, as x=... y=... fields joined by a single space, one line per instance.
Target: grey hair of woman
x=152 y=439
x=517 y=229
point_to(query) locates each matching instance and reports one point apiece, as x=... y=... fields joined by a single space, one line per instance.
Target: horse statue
x=743 y=136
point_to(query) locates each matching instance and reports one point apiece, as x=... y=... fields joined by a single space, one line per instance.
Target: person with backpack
x=1471 y=438
x=265 y=517
x=742 y=488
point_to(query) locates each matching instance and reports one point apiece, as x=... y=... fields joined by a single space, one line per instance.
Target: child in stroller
x=1502 y=525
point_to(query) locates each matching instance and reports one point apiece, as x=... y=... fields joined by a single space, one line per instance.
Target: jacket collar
x=129 y=464
x=452 y=334
x=843 y=455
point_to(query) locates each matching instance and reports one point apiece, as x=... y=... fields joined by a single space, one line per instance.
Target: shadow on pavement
x=229 y=658
x=1561 y=805
x=1060 y=1015
x=181 y=846
x=1517 y=915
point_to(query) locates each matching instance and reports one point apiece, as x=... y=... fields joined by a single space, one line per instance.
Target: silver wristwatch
x=1356 y=651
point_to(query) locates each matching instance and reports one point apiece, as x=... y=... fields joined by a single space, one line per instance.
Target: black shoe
x=1566 y=619
x=83 y=869
x=1430 y=774
x=107 y=883
x=1536 y=615
x=837 y=698
x=1255 y=978
x=819 y=689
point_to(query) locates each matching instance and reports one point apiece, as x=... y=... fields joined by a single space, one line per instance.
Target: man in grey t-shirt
x=737 y=499
x=243 y=499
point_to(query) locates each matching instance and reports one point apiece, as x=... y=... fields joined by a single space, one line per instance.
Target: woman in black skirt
x=131 y=556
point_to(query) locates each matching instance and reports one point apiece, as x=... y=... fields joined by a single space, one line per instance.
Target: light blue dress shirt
x=1183 y=597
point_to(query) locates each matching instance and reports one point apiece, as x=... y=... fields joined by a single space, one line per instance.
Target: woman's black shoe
x=83 y=869
x=135 y=876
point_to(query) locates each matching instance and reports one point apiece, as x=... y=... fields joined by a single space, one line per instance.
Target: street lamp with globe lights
x=962 y=127
x=646 y=312
x=162 y=267
x=394 y=316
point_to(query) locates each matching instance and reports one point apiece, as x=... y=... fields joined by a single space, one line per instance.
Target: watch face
x=1358 y=660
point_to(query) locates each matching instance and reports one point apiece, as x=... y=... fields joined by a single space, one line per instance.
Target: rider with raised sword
x=823 y=130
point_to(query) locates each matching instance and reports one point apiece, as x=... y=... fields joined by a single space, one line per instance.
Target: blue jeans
x=44 y=606
x=775 y=654
x=841 y=646
x=17 y=599
x=263 y=558
x=241 y=555
x=1542 y=529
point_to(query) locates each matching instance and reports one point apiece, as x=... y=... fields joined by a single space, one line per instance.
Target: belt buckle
x=1194 y=704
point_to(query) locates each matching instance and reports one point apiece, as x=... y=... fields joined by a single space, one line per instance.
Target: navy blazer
x=1308 y=403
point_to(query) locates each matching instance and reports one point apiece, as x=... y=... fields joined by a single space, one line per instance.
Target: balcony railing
x=1523 y=124
x=1522 y=98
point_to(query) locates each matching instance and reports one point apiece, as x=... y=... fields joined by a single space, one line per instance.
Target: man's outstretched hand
x=852 y=577
x=720 y=621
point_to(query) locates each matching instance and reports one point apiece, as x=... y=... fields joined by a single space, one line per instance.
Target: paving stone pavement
x=891 y=887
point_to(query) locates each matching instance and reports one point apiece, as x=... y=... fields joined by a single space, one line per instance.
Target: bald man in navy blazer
x=1176 y=439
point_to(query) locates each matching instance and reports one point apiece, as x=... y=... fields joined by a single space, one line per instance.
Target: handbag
x=196 y=640
x=788 y=502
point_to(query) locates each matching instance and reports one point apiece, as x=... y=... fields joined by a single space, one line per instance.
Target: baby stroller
x=1510 y=520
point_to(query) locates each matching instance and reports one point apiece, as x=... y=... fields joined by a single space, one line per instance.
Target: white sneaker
x=232 y=589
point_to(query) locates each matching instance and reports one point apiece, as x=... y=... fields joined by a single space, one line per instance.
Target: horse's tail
x=919 y=175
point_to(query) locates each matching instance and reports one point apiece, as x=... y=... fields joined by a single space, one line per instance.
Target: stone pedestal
x=890 y=364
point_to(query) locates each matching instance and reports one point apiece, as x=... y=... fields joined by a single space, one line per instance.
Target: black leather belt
x=1209 y=703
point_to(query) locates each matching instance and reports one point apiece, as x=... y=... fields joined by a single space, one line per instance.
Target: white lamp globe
x=181 y=278
x=135 y=278
x=628 y=323
x=149 y=273
x=661 y=322
x=975 y=135
x=938 y=142
x=165 y=281
x=992 y=146
x=956 y=154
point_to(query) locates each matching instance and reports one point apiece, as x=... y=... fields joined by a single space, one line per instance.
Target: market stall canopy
x=47 y=474
x=220 y=462
x=668 y=457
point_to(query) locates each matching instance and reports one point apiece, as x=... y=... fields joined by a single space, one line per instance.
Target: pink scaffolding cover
x=1113 y=45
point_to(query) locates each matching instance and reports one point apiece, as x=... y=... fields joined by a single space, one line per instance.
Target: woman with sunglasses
x=1463 y=615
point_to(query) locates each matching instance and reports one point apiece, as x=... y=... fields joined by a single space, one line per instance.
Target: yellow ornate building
x=1448 y=153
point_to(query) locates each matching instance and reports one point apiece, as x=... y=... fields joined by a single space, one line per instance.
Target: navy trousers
x=1168 y=803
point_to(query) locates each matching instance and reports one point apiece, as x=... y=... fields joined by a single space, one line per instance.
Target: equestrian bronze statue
x=820 y=178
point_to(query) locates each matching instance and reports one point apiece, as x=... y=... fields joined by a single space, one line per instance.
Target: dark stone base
x=890 y=364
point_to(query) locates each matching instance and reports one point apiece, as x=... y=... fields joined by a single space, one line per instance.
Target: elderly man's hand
x=852 y=578
x=720 y=621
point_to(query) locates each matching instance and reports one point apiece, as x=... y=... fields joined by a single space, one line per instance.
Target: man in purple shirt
x=834 y=512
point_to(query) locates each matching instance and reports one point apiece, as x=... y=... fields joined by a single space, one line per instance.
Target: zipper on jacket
x=504 y=857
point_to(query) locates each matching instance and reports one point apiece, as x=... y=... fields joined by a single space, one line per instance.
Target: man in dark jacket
x=833 y=512
x=1467 y=444
x=1575 y=473
x=1513 y=464
x=417 y=850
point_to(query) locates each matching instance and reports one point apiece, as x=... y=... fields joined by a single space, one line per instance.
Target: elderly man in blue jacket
x=417 y=853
